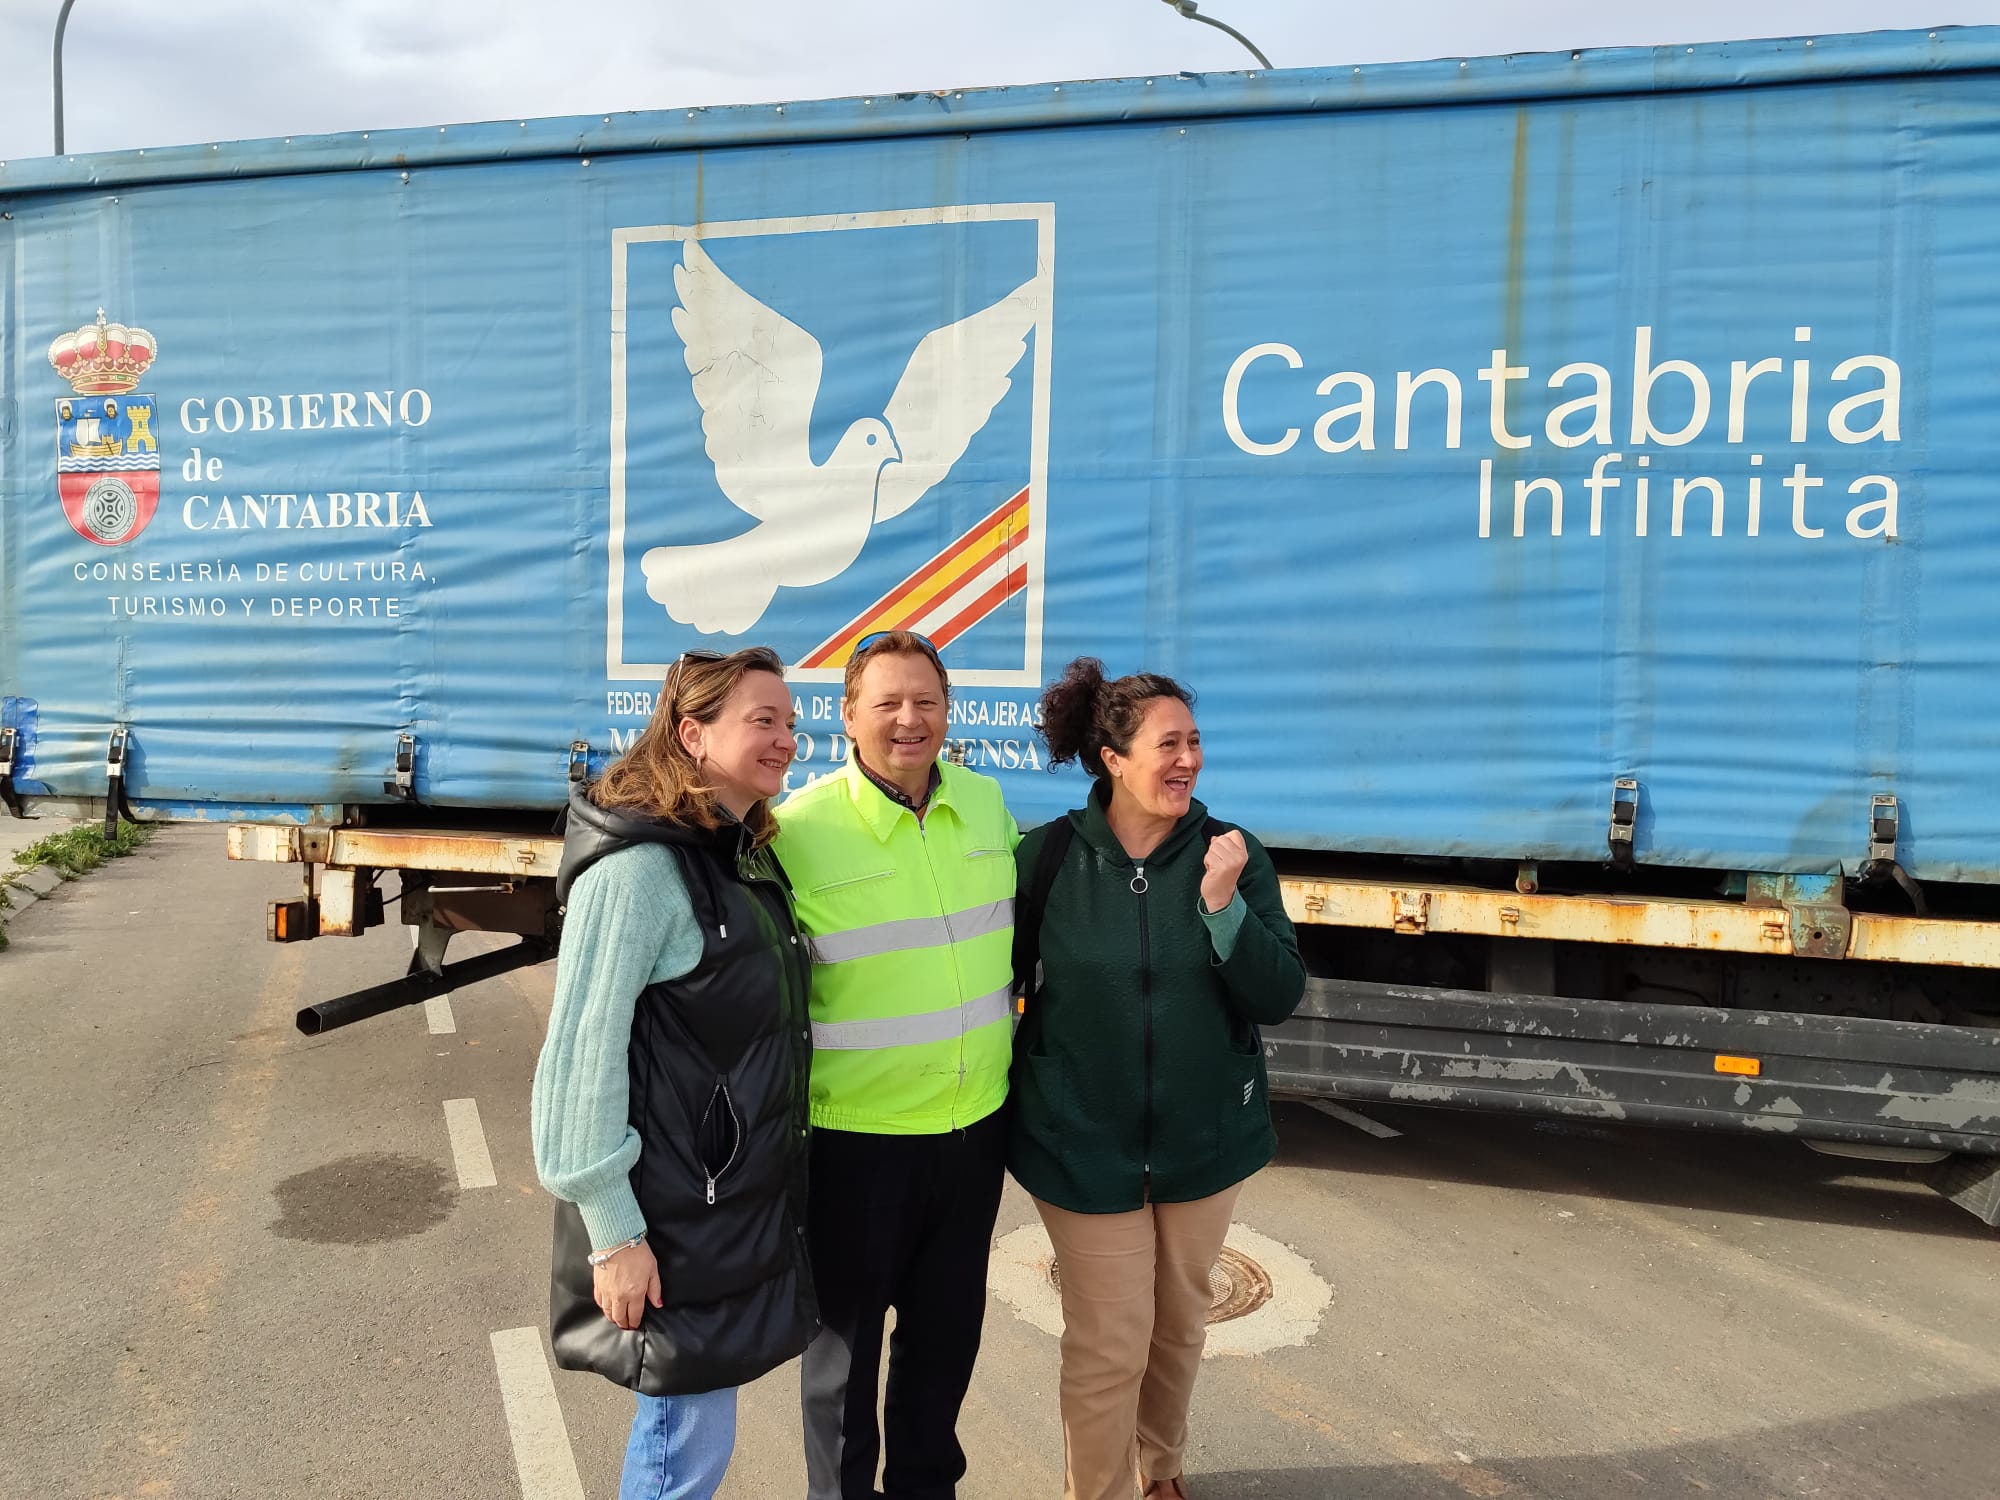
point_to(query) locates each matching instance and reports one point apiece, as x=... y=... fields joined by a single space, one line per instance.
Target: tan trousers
x=1135 y=1304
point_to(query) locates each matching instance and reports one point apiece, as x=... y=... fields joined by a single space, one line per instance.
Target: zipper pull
x=722 y=930
x=711 y=1190
x=1140 y=884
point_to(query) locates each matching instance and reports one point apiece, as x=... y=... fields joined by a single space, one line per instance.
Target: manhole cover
x=1237 y=1285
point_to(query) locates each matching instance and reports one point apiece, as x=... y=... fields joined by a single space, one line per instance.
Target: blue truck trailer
x=1569 y=482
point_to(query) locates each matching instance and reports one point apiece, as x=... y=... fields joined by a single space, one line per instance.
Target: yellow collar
x=877 y=811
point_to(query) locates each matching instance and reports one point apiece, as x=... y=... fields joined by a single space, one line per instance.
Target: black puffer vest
x=720 y=1059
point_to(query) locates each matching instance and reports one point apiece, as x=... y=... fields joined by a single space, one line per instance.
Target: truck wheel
x=1973 y=1183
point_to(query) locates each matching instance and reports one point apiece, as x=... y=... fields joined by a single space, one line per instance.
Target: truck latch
x=9 y=738
x=1885 y=819
x=1624 y=814
x=114 y=778
x=1885 y=829
x=405 y=784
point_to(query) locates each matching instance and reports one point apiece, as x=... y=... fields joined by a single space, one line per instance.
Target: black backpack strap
x=1032 y=901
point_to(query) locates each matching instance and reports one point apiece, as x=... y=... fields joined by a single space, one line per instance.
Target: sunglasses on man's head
x=876 y=636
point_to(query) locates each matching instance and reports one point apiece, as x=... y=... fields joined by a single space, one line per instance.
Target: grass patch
x=78 y=851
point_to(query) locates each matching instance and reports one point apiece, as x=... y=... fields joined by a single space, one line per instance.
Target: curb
x=38 y=879
x=24 y=885
x=25 y=889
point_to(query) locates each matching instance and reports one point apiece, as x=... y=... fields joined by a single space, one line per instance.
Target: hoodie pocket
x=719 y=1137
x=1039 y=1101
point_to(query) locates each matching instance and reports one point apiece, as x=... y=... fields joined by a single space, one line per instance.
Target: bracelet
x=599 y=1257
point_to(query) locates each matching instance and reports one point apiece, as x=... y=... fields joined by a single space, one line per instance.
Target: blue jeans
x=680 y=1446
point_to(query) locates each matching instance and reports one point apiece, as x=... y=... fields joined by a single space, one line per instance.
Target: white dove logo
x=756 y=377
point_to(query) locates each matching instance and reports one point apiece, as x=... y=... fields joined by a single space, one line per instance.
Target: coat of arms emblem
x=107 y=456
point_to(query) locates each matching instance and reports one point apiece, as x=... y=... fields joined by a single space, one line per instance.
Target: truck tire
x=1973 y=1183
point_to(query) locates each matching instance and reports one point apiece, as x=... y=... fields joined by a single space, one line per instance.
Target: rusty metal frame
x=1637 y=921
x=1408 y=907
x=467 y=852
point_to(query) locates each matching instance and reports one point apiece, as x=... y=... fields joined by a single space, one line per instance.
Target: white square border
x=1043 y=216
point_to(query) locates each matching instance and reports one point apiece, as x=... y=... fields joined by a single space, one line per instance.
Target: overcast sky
x=204 y=70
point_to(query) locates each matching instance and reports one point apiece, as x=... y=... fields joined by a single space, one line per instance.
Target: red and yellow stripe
x=941 y=588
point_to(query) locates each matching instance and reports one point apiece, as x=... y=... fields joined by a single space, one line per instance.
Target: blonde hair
x=656 y=775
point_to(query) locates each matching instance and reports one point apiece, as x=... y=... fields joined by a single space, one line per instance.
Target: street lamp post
x=62 y=20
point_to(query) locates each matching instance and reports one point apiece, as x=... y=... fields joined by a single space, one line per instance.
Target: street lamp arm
x=1188 y=9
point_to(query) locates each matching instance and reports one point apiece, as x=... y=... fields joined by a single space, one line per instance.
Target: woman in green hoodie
x=1138 y=1083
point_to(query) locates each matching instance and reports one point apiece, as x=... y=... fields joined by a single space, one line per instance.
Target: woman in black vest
x=670 y=1098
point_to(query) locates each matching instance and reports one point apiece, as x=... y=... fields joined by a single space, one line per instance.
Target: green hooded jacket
x=1138 y=1070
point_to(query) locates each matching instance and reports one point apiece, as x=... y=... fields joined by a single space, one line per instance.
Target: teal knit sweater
x=629 y=925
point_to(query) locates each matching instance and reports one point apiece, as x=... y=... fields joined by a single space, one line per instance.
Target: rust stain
x=1299 y=1404
x=1513 y=291
x=1720 y=926
x=440 y=849
x=1292 y=1416
x=1507 y=462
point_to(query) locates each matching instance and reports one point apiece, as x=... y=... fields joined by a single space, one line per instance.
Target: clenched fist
x=1221 y=866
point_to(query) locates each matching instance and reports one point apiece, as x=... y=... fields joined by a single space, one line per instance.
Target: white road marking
x=1348 y=1117
x=542 y=1454
x=437 y=1014
x=468 y=1144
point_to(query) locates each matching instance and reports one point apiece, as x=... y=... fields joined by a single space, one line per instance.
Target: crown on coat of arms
x=103 y=359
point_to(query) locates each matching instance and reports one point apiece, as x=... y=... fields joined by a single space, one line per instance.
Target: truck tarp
x=1469 y=435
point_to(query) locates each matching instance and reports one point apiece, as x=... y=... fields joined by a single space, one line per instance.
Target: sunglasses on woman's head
x=674 y=672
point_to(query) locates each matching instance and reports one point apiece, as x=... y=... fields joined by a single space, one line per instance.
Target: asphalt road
x=242 y=1264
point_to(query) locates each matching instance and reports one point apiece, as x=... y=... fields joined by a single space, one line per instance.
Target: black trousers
x=902 y=1221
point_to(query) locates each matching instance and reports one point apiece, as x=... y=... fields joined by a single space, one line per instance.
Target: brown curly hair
x=1084 y=714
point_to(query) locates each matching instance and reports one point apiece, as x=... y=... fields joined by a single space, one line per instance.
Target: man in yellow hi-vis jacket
x=902 y=871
